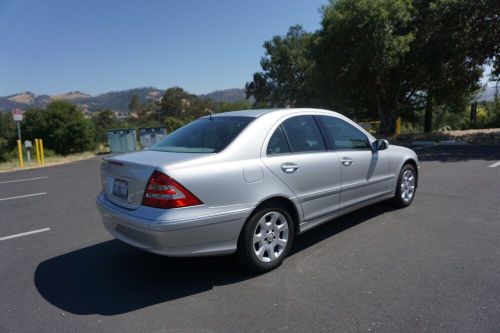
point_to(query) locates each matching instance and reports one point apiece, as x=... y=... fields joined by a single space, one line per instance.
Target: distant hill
x=228 y=95
x=71 y=96
x=22 y=100
x=115 y=100
x=119 y=100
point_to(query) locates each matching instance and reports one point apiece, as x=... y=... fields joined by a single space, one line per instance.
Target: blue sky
x=51 y=46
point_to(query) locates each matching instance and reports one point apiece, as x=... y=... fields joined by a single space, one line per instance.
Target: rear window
x=203 y=135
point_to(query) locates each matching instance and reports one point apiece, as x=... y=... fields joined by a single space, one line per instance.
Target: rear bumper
x=195 y=235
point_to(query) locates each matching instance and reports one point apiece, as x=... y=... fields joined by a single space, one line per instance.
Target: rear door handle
x=346 y=161
x=289 y=167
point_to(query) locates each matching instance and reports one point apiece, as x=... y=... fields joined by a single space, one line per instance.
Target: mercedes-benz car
x=248 y=182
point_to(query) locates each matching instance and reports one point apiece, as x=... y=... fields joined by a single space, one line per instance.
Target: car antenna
x=210 y=113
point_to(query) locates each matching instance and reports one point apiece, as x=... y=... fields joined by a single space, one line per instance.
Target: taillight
x=164 y=192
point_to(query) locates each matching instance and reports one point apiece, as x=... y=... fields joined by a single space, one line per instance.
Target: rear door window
x=278 y=143
x=343 y=135
x=303 y=134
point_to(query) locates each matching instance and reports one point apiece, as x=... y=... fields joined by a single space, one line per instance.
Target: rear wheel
x=266 y=238
x=406 y=187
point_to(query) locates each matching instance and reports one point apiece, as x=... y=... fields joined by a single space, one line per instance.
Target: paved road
x=434 y=266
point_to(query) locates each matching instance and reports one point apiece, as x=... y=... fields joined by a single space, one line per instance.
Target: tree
x=179 y=104
x=172 y=124
x=103 y=120
x=143 y=111
x=8 y=135
x=7 y=126
x=496 y=106
x=360 y=57
x=135 y=104
x=286 y=65
x=232 y=106
x=454 y=40
x=62 y=128
x=176 y=103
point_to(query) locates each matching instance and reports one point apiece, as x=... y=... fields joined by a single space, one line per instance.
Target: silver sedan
x=249 y=182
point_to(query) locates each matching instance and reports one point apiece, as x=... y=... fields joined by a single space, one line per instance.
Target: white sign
x=17 y=114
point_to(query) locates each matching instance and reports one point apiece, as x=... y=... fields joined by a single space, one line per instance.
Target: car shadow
x=112 y=278
x=459 y=153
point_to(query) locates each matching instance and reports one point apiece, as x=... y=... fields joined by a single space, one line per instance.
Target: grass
x=13 y=165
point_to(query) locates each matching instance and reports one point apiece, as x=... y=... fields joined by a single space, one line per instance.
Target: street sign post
x=17 y=115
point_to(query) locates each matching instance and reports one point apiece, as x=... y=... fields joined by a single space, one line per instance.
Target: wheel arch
x=414 y=164
x=283 y=201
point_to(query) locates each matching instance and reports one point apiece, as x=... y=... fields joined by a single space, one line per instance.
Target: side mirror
x=380 y=144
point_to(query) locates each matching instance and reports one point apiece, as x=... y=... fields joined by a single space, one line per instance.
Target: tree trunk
x=473 y=113
x=387 y=124
x=429 y=106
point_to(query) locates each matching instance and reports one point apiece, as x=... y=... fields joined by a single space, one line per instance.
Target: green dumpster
x=122 y=140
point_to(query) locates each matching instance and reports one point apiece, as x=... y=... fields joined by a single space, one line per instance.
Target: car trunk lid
x=124 y=177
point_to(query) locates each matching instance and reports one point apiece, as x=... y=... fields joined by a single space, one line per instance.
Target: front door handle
x=289 y=167
x=346 y=161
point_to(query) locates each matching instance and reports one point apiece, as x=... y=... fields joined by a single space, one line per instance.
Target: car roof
x=244 y=113
x=259 y=112
x=286 y=111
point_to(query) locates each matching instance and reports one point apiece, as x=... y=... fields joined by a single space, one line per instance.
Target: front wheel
x=406 y=187
x=266 y=238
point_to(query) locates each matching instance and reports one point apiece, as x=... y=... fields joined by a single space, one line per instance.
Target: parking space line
x=24 y=234
x=23 y=180
x=23 y=196
x=494 y=165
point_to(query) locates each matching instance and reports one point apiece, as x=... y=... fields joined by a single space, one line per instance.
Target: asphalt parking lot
x=434 y=266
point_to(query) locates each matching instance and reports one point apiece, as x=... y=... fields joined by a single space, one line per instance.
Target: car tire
x=406 y=186
x=266 y=238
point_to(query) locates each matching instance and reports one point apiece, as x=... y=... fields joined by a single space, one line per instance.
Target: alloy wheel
x=407 y=185
x=270 y=237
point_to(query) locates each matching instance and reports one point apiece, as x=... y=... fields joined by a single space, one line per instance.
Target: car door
x=363 y=171
x=297 y=154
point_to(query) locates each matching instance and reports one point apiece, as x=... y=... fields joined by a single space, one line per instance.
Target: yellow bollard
x=398 y=125
x=41 y=151
x=20 y=154
x=37 y=148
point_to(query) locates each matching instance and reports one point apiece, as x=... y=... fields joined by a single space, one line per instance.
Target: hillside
x=228 y=95
x=23 y=100
x=71 y=96
x=115 y=100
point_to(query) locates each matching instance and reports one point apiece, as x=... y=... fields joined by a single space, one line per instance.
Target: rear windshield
x=203 y=135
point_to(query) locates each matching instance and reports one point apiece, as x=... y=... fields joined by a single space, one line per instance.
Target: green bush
x=62 y=128
x=172 y=124
x=4 y=149
x=8 y=135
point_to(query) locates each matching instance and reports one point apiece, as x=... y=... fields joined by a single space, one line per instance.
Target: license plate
x=120 y=189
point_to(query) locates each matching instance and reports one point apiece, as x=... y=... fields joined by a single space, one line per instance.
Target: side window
x=344 y=135
x=303 y=134
x=278 y=144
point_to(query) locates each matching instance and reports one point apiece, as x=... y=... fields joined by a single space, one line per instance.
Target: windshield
x=203 y=135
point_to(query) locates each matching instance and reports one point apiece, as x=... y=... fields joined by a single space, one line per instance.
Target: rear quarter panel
x=244 y=182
